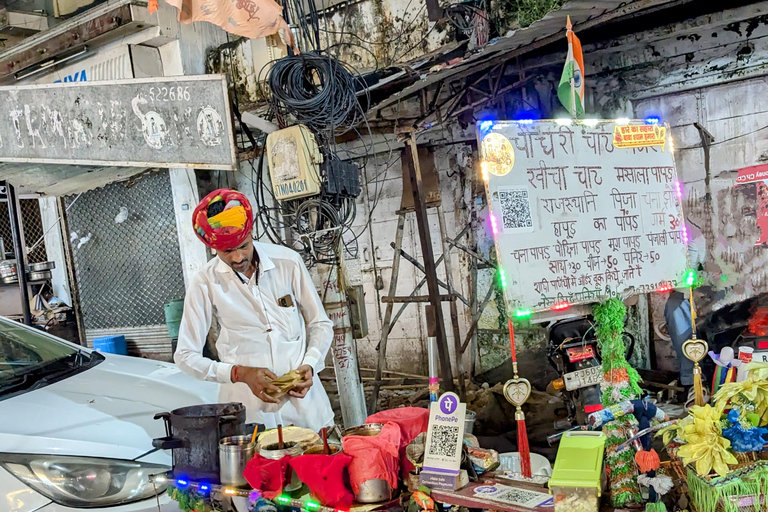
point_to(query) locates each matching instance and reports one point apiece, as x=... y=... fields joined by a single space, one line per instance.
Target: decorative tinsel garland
x=707 y=494
x=620 y=382
x=191 y=501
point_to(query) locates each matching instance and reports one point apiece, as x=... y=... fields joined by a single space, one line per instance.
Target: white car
x=76 y=426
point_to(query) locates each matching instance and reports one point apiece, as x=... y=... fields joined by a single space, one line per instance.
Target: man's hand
x=259 y=380
x=301 y=389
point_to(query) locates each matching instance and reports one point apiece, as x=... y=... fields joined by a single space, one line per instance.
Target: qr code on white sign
x=445 y=439
x=515 y=209
x=518 y=496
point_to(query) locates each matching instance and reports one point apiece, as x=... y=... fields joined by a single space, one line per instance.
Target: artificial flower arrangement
x=710 y=437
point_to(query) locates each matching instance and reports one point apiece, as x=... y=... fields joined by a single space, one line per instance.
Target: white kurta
x=246 y=312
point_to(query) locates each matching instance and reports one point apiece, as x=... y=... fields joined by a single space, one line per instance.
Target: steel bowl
x=40 y=267
x=39 y=276
x=367 y=430
x=10 y=280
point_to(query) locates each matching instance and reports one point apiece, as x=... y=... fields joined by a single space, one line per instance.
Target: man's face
x=240 y=258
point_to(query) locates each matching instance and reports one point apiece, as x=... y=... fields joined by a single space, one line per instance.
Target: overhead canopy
x=489 y=64
x=62 y=180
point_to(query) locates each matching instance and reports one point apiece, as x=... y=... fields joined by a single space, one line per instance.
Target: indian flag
x=571 y=88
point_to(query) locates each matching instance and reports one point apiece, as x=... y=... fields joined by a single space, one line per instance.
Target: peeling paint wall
x=378 y=33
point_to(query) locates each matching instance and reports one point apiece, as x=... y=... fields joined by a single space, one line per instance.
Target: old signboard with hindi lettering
x=582 y=212
x=181 y=121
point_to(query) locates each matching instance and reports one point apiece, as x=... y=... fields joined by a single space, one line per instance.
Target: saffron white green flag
x=571 y=88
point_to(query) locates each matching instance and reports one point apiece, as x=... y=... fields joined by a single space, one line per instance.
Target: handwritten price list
x=580 y=214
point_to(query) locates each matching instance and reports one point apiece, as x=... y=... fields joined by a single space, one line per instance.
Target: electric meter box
x=294 y=162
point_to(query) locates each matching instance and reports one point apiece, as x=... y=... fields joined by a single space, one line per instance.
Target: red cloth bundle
x=325 y=475
x=374 y=457
x=412 y=422
x=268 y=475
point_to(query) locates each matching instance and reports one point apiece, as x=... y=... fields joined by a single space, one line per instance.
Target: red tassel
x=523 y=449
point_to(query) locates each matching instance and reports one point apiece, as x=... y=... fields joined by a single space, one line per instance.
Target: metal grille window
x=126 y=252
x=32 y=225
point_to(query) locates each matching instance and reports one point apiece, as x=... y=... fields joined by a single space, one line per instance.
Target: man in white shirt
x=272 y=320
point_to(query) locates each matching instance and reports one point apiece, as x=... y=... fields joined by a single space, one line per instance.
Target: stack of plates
x=40 y=271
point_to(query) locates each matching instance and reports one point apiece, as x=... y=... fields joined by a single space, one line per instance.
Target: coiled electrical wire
x=317 y=90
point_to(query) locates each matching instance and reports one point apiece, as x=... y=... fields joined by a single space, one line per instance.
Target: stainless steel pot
x=374 y=491
x=234 y=454
x=42 y=275
x=9 y=280
x=40 y=267
x=292 y=449
x=7 y=270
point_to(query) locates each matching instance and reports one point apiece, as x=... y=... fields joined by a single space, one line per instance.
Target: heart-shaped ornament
x=517 y=391
x=695 y=349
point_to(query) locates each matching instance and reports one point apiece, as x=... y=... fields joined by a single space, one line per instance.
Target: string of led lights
x=207 y=489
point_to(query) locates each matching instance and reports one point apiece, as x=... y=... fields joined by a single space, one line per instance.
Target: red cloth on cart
x=412 y=422
x=374 y=457
x=327 y=478
x=268 y=475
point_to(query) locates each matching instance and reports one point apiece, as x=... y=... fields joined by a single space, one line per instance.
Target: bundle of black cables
x=318 y=91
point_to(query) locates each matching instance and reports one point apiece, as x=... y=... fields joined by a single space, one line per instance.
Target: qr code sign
x=518 y=496
x=445 y=439
x=515 y=209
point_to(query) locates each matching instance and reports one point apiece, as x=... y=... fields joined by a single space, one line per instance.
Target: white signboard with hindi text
x=582 y=212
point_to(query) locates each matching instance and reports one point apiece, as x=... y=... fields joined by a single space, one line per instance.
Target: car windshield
x=30 y=359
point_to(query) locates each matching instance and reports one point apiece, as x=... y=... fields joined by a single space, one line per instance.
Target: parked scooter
x=573 y=352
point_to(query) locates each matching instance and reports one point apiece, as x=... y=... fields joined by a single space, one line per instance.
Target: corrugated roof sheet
x=517 y=43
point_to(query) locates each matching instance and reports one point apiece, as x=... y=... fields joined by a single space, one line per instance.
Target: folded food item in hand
x=285 y=383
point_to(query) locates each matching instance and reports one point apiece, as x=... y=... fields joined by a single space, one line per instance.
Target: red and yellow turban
x=227 y=229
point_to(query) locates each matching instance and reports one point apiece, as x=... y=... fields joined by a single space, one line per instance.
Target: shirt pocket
x=293 y=320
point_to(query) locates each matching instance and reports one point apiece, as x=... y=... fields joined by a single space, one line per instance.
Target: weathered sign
x=583 y=212
x=154 y=122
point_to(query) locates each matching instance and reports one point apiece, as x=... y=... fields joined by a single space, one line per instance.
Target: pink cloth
x=248 y=18
x=325 y=475
x=412 y=422
x=374 y=457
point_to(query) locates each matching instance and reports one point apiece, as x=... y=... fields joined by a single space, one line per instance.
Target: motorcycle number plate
x=580 y=353
x=583 y=378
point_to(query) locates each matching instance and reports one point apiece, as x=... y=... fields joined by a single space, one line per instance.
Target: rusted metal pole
x=387 y=326
x=411 y=159
x=458 y=354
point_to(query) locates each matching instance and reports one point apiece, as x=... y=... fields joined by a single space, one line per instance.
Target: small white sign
x=445 y=436
x=514 y=496
x=760 y=356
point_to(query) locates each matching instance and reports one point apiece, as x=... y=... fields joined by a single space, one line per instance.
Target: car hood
x=106 y=411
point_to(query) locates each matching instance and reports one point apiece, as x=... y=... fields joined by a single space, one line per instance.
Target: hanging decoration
x=695 y=350
x=517 y=391
x=620 y=383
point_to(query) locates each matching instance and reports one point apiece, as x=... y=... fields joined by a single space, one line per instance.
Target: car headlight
x=85 y=482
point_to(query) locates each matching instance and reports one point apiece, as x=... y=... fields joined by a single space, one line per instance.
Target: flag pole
x=569 y=28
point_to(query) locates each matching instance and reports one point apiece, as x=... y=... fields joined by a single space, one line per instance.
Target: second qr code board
x=582 y=212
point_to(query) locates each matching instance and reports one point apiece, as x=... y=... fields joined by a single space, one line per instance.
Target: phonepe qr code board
x=583 y=212
x=445 y=435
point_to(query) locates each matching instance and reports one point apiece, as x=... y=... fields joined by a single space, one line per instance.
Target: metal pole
x=453 y=309
x=411 y=159
x=18 y=250
x=387 y=326
x=345 y=362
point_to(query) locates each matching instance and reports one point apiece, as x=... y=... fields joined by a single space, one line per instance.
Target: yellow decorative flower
x=753 y=390
x=705 y=446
